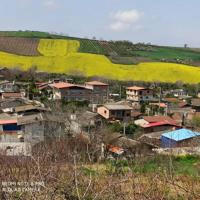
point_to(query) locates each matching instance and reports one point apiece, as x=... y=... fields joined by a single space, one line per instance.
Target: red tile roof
x=159 y=124
x=153 y=119
x=96 y=83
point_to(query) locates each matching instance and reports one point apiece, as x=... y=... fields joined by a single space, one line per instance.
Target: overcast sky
x=164 y=22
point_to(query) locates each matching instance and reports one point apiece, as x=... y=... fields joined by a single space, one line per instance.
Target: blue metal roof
x=181 y=134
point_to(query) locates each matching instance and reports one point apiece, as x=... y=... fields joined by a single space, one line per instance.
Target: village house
x=27 y=109
x=157 y=108
x=18 y=134
x=84 y=122
x=180 y=138
x=99 y=91
x=115 y=112
x=151 y=124
x=11 y=137
x=45 y=90
x=70 y=92
x=8 y=86
x=117 y=144
x=195 y=103
x=151 y=139
x=178 y=93
x=9 y=103
x=40 y=126
x=181 y=112
x=94 y=92
x=139 y=94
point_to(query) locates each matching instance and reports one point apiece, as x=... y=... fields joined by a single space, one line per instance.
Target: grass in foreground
x=69 y=171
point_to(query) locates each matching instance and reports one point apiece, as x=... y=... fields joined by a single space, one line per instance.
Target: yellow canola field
x=97 y=65
x=49 y=47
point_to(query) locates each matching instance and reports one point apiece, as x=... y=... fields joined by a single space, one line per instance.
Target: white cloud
x=123 y=20
x=128 y=16
x=119 y=26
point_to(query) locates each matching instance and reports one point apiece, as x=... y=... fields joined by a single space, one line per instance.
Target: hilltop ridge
x=119 y=52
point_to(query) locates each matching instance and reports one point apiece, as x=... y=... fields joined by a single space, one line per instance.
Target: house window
x=21 y=139
x=113 y=112
x=105 y=111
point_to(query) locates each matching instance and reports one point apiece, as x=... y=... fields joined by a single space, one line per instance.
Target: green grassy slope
x=122 y=52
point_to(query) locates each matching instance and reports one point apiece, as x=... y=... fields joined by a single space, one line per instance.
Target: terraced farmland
x=19 y=46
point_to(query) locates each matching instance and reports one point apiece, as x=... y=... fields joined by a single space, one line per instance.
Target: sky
x=162 y=22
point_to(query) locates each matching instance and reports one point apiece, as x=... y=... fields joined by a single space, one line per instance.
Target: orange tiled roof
x=162 y=105
x=12 y=94
x=136 y=88
x=115 y=149
x=61 y=85
x=12 y=121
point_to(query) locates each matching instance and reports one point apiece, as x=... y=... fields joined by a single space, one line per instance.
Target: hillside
x=63 y=54
x=121 y=52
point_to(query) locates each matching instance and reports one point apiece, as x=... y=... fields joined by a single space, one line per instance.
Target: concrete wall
x=158 y=128
x=104 y=112
x=33 y=133
x=139 y=95
x=53 y=129
x=114 y=114
x=168 y=143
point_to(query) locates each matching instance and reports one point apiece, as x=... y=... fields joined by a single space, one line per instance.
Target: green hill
x=119 y=60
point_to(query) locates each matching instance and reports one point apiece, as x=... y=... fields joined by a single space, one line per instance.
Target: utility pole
x=28 y=91
x=108 y=91
x=120 y=91
x=159 y=100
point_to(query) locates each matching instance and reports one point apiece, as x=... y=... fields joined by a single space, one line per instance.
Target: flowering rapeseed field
x=61 y=56
x=48 y=47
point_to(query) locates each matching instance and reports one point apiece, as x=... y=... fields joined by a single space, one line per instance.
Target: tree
x=143 y=108
x=195 y=122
